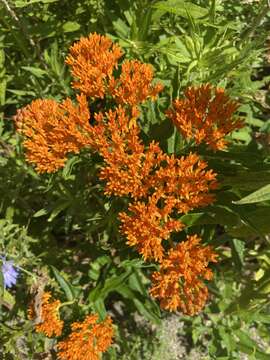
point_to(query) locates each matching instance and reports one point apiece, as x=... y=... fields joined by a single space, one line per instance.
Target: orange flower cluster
x=161 y=186
x=126 y=163
x=87 y=341
x=92 y=62
x=177 y=185
x=53 y=130
x=164 y=184
x=147 y=227
x=134 y=85
x=50 y=324
x=179 y=283
x=205 y=115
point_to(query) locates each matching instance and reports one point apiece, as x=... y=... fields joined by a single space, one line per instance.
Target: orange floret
x=50 y=323
x=53 y=130
x=134 y=85
x=205 y=115
x=92 y=61
x=88 y=340
x=179 y=283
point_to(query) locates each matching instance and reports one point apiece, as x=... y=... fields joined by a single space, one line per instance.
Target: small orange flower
x=206 y=114
x=134 y=85
x=179 y=283
x=53 y=130
x=88 y=340
x=92 y=61
x=50 y=323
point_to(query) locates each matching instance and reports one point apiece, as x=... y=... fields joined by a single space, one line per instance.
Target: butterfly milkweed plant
x=136 y=187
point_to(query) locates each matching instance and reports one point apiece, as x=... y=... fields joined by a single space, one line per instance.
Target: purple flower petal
x=10 y=273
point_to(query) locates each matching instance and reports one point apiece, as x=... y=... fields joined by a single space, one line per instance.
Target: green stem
x=66 y=303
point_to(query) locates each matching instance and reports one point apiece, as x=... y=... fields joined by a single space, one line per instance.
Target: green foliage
x=62 y=231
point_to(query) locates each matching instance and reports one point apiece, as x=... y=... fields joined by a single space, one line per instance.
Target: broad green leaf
x=247 y=180
x=71 y=26
x=263 y=194
x=182 y=8
x=64 y=284
x=9 y=298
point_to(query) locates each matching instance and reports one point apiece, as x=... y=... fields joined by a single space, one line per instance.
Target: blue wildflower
x=10 y=273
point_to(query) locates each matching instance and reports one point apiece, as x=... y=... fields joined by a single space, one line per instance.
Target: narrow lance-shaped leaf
x=263 y=194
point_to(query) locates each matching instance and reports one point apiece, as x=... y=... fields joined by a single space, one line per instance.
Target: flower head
x=49 y=323
x=9 y=271
x=92 y=60
x=134 y=85
x=87 y=340
x=179 y=283
x=51 y=131
x=205 y=115
x=147 y=226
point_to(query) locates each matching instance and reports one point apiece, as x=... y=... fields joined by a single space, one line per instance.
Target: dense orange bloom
x=147 y=226
x=176 y=185
x=205 y=115
x=179 y=283
x=92 y=61
x=88 y=340
x=126 y=163
x=53 y=130
x=184 y=182
x=134 y=85
x=132 y=169
x=50 y=323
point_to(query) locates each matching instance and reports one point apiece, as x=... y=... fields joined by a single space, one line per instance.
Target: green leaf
x=23 y=3
x=145 y=311
x=64 y=284
x=182 y=8
x=69 y=166
x=60 y=206
x=3 y=86
x=71 y=26
x=39 y=73
x=249 y=346
x=22 y=92
x=238 y=250
x=99 y=307
x=1 y=283
x=247 y=180
x=263 y=194
x=114 y=282
x=40 y=213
